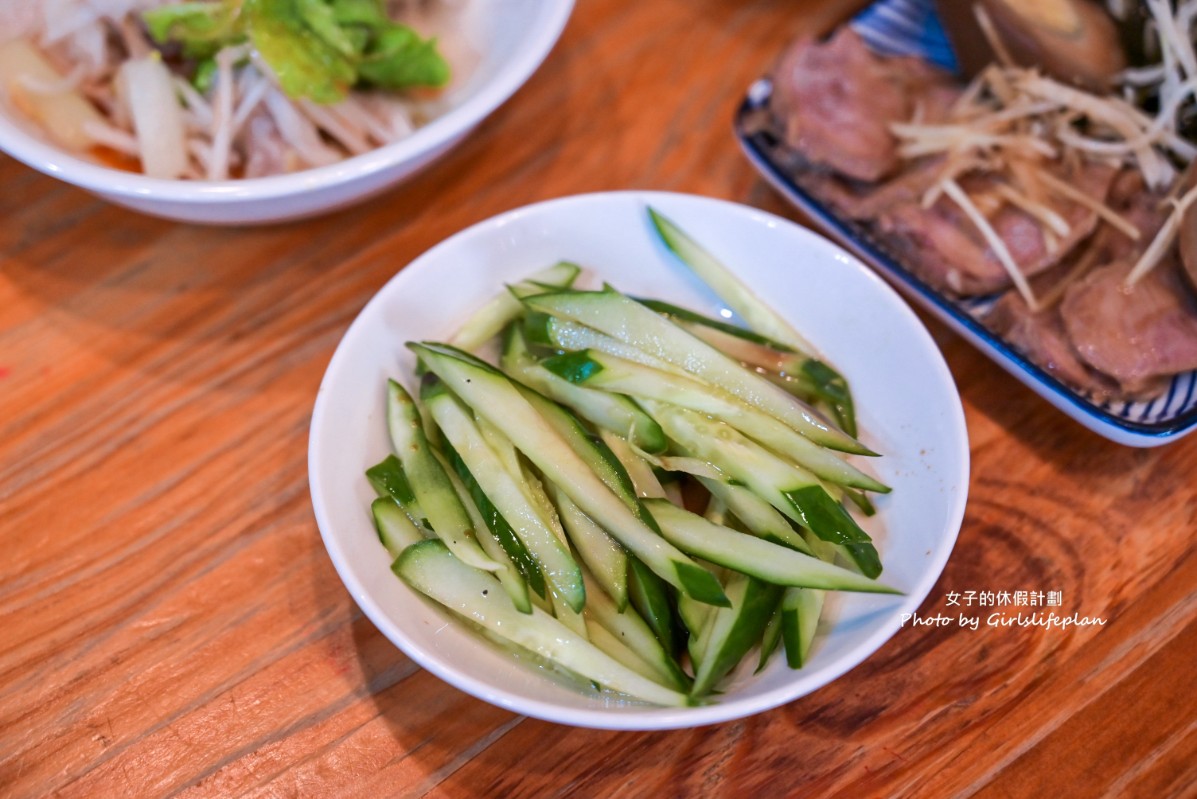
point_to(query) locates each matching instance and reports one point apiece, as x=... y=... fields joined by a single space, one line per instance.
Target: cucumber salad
x=636 y=494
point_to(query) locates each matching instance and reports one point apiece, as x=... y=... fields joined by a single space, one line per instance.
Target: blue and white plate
x=908 y=27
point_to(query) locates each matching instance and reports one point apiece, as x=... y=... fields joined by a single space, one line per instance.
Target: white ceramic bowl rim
x=457 y=121
x=650 y=718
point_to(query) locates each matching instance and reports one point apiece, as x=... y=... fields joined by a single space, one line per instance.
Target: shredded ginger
x=1014 y=123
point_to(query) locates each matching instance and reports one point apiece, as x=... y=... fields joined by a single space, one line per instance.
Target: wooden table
x=172 y=625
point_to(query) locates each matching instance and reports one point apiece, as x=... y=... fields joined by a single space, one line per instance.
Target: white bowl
x=512 y=39
x=908 y=409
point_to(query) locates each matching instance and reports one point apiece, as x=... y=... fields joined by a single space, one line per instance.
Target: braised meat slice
x=1041 y=337
x=945 y=249
x=864 y=202
x=1146 y=210
x=1134 y=334
x=835 y=101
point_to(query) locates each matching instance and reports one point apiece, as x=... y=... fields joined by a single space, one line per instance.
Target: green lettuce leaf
x=367 y=13
x=201 y=28
x=318 y=49
x=305 y=64
x=398 y=58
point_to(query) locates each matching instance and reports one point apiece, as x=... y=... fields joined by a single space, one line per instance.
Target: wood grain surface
x=172 y=625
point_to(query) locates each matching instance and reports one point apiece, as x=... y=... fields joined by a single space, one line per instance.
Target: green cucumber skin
x=611 y=373
x=492 y=317
x=603 y=409
x=828 y=384
x=430 y=568
x=735 y=630
x=787 y=488
x=770 y=638
x=756 y=557
x=562 y=575
x=823 y=516
x=800 y=608
x=649 y=596
x=605 y=557
x=498 y=526
x=513 y=581
x=388 y=480
x=759 y=317
x=627 y=321
x=395 y=528
x=494 y=396
x=757 y=515
x=431 y=486
x=686 y=315
x=633 y=631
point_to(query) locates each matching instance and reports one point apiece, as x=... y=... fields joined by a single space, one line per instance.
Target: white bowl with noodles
x=510 y=40
x=908 y=407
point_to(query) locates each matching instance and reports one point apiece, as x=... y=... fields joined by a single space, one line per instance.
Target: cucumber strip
x=601 y=408
x=760 y=317
x=388 y=480
x=592 y=450
x=733 y=631
x=432 y=570
x=639 y=472
x=790 y=489
x=567 y=336
x=631 y=323
x=634 y=633
x=692 y=614
x=799 y=627
x=541 y=501
x=601 y=554
x=568 y=616
x=758 y=516
x=510 y=577
x=492 y=394
x=827 y=384
x=501 y=446
x=649 y=596
x=772 y=635
x=646 y=591
x=800 y=611
x=561 y=571
x=694 y=321
x=697 y=618
x=601 y=370
x=505 y=306
x=754 y=556
x=681 y=464
x=808 y=378
x=861 y=500
x=395 y=528
x=608 y=642
x=428 y=480
x=499 y=528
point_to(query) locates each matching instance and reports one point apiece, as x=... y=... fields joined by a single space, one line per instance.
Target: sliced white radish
x=157 y=117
